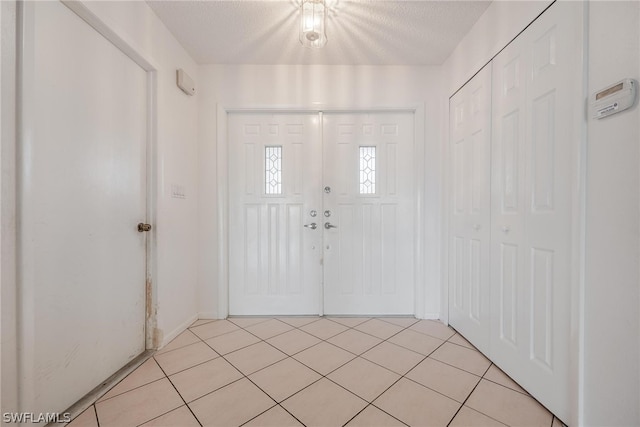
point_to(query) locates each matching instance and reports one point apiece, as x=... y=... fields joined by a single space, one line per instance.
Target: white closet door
x=274 y=185
x=534 y=128
x=82 y=194
x=469 y=245
x=369 y=199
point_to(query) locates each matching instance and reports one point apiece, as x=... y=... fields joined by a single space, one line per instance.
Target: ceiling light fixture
x=313 y=18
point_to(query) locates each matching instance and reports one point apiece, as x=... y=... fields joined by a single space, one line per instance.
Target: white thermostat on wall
x=613 y=99
x=185 y=82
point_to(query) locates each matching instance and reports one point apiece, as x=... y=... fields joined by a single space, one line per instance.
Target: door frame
x=13 y=296
x=222 y=187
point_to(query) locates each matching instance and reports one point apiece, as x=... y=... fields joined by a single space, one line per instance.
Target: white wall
x=612 y=288
x=498 y=25
x=177 y=154
x=317 y=87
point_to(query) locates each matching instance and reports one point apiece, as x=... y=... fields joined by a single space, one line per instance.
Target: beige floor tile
x=497 y=376
x=324 y=357
x=508 y=406
x=86 y=419
x=354 y=341
x=268 y=329
x=213 y=329
x=201 y=322
x=467 y=417
x=416 y=405
x=324 y=404
x=461 y=357
x=184 y=339
x=405 y=322
x=185 y=357
x=274 y=417
x=195 y=382
x=284 y=378
x=138 y=406
x=232 y=341
x=255 y=357
x=378 y=328
x=296 y=322
x=372 y=416
x=232 y=405
x=178 y=417
x=459 y=339
x=148 y=372
x=434 y=328
x=398 y=359
x=324 y=328
x=349 y=321
x=243 y=322
x=364 y=378
x=557 y=423
x=293 y=342
x=420 y=343
x=452 y=382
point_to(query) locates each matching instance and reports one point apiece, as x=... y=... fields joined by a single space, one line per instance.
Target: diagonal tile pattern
x=312 y=371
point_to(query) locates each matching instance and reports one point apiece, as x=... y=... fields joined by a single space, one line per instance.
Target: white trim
x=8 y=284
x=111 y=32
x=222 y=207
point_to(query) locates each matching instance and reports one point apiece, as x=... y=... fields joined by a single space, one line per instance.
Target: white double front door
x=321 y=213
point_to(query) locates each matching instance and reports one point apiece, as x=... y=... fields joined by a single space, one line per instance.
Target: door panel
x=533 y=104
x=274 y=184
x=82 y=193
x=368 y=256
x=470 y=118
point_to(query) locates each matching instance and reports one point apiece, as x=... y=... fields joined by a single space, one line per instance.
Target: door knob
x=506 y=229
x=328 y=225
x=144 y=227
x=312 y=226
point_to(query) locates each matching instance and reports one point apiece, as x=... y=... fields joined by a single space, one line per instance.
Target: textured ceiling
x=372 y=32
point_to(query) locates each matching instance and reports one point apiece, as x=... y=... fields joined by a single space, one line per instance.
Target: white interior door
x=275 y=219
x=82 y=193
x=470 y=219
x=534 y=128
x=368 y=193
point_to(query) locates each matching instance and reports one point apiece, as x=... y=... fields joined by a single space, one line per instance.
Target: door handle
x=328 y=225
x=312 y=226
x=142 y=227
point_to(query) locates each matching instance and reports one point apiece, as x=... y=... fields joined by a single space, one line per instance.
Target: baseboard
x=207 y=315
x=431 y=316
x=177 y=331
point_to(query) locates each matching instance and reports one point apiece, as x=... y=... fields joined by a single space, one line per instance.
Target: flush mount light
x=313 y=17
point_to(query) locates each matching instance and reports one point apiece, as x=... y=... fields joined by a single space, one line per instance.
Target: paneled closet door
x=469 y=245
x=534 y=132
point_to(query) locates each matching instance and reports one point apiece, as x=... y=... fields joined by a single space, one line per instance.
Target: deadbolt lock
x=144 y=227
x=327 y=189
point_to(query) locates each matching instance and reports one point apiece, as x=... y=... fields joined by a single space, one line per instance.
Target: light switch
x=178 y=191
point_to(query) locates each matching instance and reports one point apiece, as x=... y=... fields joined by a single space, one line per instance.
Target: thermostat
x=185 y=82
x=613 y=99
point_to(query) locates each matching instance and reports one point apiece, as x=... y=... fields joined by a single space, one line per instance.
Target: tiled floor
x=317 y=372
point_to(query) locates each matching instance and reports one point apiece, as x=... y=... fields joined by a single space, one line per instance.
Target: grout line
x=181 y=398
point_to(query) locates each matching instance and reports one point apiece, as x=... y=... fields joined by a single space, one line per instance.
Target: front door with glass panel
x=321 y=213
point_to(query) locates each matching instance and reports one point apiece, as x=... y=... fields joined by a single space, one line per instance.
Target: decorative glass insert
x=367 y=170
x=273 y=170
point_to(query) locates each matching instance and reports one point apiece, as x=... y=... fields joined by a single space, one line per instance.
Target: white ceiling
x=375 y=32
